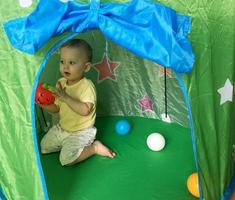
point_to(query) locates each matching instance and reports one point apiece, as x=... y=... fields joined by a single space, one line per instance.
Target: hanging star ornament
x=106 y=69
x=226 y=92
x=146 y=104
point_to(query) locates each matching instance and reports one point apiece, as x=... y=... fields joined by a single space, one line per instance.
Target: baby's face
x=73 y=63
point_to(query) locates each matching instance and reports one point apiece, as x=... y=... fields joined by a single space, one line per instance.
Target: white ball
x=156 y=142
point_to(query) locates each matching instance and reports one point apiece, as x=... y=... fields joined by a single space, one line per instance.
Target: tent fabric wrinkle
x=155 y=32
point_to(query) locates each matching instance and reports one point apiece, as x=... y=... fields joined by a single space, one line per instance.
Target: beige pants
x=69 y=144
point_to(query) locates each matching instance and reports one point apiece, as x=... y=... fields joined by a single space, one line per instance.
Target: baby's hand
x=38 y=104
x=42 y=105
x=61 y=92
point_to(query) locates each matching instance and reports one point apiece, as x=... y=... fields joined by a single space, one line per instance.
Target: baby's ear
x=87 y=66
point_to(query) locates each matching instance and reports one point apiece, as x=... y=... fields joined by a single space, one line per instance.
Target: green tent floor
x=137 y=173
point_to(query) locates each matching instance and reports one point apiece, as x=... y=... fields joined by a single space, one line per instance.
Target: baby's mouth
x=66 y=73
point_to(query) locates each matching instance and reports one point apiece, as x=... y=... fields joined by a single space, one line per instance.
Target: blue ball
x=123 y=127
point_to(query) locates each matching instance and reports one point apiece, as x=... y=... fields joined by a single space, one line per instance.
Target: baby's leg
x=80 y=146
x=50 y=142
x=95 y=148
x=102 y=150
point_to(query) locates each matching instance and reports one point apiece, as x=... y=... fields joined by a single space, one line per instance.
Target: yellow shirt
x=83 y=91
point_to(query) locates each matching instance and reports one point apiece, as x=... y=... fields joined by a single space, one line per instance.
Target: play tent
x=135 y=41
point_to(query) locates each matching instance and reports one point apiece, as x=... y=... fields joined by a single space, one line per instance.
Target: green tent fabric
x=209 y=85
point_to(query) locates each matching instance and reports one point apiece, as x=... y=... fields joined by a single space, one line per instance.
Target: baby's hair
x=79 y=43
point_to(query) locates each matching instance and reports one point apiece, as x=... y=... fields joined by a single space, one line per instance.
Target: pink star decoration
x=146 y=104
x=106 y=68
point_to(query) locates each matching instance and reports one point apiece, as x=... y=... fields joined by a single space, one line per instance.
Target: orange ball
x=192 y=184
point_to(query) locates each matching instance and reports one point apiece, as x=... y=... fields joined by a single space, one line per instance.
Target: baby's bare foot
x=102 y=150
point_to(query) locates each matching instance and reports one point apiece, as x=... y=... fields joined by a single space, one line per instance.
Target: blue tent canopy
x=148 y=29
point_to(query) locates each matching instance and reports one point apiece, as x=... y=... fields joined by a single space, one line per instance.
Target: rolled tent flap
x=148 y=29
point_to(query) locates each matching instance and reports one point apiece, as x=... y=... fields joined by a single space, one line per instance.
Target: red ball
x=42 y=96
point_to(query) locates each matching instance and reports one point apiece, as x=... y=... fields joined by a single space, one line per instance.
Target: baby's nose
x=66 y=65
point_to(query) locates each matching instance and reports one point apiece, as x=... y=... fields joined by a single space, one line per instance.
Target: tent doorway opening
x=132 y=88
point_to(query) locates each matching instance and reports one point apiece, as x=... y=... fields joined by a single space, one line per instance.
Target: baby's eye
x=61 y=61
x=72 y=63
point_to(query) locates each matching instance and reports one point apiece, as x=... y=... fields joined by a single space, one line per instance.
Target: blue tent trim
x=230 y=188
x=2 y=196
x=191 y=125
x=149 y=30
x=36 y=148
x=34 y=132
